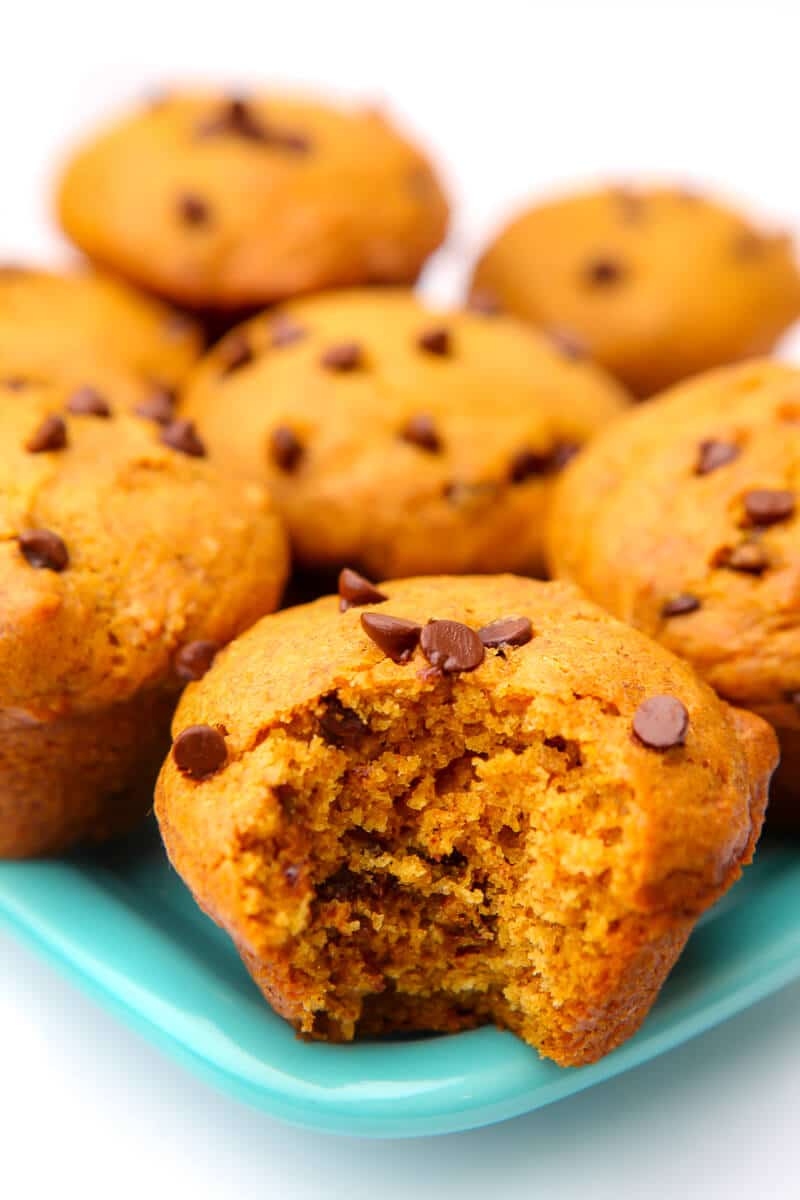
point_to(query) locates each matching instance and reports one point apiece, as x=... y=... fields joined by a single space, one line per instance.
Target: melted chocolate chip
x=450 y=646
x=159 y=406
x=420 y=431
x=43 y=549
x=87 y=402
x=355 y=590
x=194 y=659
x=714 y=454
x=484 y=302
x=181 y=435
x=344 y=357
x=661 y=722
x=193 y=209
x=50 y=435
x=284 y=331
x=767 y=507
x=749 y=557
x=286 y=448
x=235 y=352
x=506 y=631
x=604 y=272
x=339 y=725
x=397 y=638
x=436 y=341
x=680 y=605
x=199 y=751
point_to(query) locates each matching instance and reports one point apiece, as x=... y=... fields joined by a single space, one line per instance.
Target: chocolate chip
x=43 y=549
x=563 y=453
x=199 y=751
x=87 y=402
x=506 y=631
x=714 y=454
x=484 y=302
x=661 y=722
x=680 y=605
x=435 y=341
x=528 y=464
x=451 y=646
x=285 y=447
x=344 y=357
x=235 y=352
x=767 y=507
x=284 y=331
x=237 y=119
x=749 y=557
x=339 y=725
x=193 y=209
x=181 y=435
x=569 y=344
x=159 y=406
x=194 y=659
x=355 y=590
x=602 y=272
x=50 y=435
x=420 y=431
x=397 y=638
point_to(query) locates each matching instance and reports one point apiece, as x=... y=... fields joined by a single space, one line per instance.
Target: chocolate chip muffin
x=447 y=801
x=126 y=560
x=654 y=283
x=683 y=522
x=223 y=202
x=75 y=323
x=398 y=438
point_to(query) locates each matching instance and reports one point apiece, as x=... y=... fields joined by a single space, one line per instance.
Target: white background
x=513 y=98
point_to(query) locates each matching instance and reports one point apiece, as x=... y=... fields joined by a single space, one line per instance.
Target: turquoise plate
x=122 y=925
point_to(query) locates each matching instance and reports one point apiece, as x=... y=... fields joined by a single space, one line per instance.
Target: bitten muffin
x=72 y=323
x=397 y=438
x=455 y=800
x=126 y=560
x=654 y=283
x=684 y=523
x=224 y=202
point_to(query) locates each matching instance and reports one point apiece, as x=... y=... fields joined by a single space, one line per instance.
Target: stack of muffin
x=462 y=795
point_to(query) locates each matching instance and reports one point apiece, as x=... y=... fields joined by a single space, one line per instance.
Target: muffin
x=126 y=560
x=224 y=202
x=683 y=522
x=654 y=283
x=396 y=438
x=449 y=801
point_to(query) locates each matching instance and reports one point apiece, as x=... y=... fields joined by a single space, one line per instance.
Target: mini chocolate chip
x=87 y=402
x=159 y=406
x=235 y=352
x=344 y=357
x=43 y=549
x=420 y=431
x=194 y=659
x=181 y=435
x=563 y=453
x=714 y=454
x=602 y=272
x=51 y=434
x=451 y=646
x=528 y=464
x=749 y=557
x=339 y=725
x=199 y=751
x=435 y=341
x=193 y=209
x=661 y=722
x=284 y=331
x=506 y=631
x=285 y=447
x=767 y=507
x=679 y=605
x=355 y=590
x=397 y=638
x=484 y=302
x=569 y=344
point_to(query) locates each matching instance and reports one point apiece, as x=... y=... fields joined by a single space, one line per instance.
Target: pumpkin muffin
x=654 y=283
x=398 y=438
x=224 y=202
x=446 y=801
x=684 y=523
x=126 y=560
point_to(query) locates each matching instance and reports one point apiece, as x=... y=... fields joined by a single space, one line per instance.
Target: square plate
x=123 y=926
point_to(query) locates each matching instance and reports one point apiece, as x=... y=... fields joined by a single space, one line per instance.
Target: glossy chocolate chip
x=397 y=638
x=193 y=209
x=346 y=356
x=765 y=506
x=713 y=454
x=355 y=590
x=87 y=402
x=194 y=659
x=451 y=646
x=506 y=631
x=235 y=352
x=182 y=436
x=159 y=406
x=435 y=341
x=420 y=431
x=43 y=549
x=199 y=751
x=286 y=448
x=51 y=434
x=604 y=272
x=661 y=722
x=680 y=605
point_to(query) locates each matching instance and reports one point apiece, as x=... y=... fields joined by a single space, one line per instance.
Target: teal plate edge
x=181 y=986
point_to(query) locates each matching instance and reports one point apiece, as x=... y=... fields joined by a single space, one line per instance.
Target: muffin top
x=396 y=437
x=223 y=202
x=656 y=283
x=683 y=521
x=120 y=545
